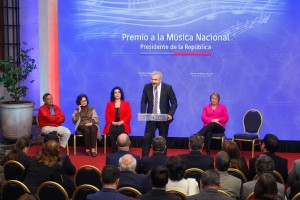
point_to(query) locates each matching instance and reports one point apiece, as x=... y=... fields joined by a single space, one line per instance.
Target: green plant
x=14 y=72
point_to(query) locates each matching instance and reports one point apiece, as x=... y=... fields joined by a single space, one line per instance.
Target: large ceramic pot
x=16 y=119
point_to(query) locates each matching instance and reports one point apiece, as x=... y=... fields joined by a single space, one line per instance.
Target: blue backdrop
x=248 y=51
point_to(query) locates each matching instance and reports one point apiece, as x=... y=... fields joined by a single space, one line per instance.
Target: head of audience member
x=270 y=143
x=28 y=196
x=110 y=176
x=127 y=163
x=123 y=142
x=117 y=93
x=51 y=136
x=159 y=177
x=156 y=78
x=214 y=98
x=50 y=154
x=266 y=187
x=82 y=100
x=264 y=164
x=233 y=151
x=196 y=143
x=222 y=161
x=159 y=144
x=48 y=100
x=210 y=179
x=176 y=167
x=21 y=146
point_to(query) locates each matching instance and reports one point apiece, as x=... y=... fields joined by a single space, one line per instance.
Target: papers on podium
x=152 y=117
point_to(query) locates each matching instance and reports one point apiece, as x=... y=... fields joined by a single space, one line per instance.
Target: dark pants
x=207 y=132
x=89 y=135
x=163 y=128
x=114 y=132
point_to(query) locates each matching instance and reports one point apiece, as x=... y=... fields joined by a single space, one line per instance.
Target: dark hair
x=112 y=97
x=264 y=164
x=28 y=196
x=215 y=94
x=159 y=176
x=18 y=148
x=110 y=174
x=222 y=161
x=159 y=143
x=79 y=97
x=50 y=154
x=51 y=136
x=271 y=142
x=45 y=96
x=210 y=178
x=266 y=187
x=196 y=142
x=176 y=167
x=233 y=151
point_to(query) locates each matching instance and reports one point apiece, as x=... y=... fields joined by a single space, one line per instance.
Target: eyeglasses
x=83 y=101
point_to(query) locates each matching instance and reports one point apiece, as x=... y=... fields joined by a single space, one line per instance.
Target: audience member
x=45 y=166
x=159 y=180
x=210 y=184
x=266 y=188
x=268 y=147
x=110 y=180
x=158 y=157
x=176 y=168
x=51 y=117
x=236 y=160
x=263 y=164
x=19 y=152
x=123 y=143
x=195 y=159
x=28 y=196
x=229 y=183
x=68 y=169
x=129 y=178
x=294 y=179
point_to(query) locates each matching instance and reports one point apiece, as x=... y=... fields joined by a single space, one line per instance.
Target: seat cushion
x=245 y=136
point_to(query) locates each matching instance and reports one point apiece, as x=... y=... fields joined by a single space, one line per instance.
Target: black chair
x=177 y=193
x=296 y=197
x=276 y=175
x=129 y=191
x=194 y=173
x=252 y=122
x=250 y=196
x=237 y=173
x=222 y=192
x=13 y=170
x=82 y=191
x=13 y=189
x=219 y=136
x=79 y=134
x=50 y=190
x=88 y=174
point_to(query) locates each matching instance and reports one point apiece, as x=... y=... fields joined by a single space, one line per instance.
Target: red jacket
x=46 y=119
x=110 y=115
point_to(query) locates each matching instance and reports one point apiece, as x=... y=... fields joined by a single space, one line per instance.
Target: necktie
x=155 y=100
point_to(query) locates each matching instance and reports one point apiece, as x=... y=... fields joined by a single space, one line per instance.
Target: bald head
x=123 y=141
x=127 y=163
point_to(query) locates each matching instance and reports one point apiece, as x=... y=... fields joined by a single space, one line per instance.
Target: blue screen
x=247 y=51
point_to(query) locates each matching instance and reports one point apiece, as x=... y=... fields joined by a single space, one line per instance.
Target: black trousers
x=89 y=135
x=151 y=127
x=207 y=132
x=114 y=132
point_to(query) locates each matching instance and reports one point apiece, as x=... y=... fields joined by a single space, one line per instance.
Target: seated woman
x=236 y=161
x=86 y=120
x=176 y=168
x=266 y=188
x=19 y=152
x=117 y=115
x=214 y=117
x=44 y=166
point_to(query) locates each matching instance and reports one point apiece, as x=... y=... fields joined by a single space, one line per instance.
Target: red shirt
x=46 y=119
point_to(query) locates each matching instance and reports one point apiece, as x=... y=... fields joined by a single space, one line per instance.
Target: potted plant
x=15 y=114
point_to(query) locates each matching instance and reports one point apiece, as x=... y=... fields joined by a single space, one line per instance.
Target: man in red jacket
x=50 y=119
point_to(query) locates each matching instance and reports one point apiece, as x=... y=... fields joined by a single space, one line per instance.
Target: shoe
x=94 y=154
x=208 y=153
x=88 y=153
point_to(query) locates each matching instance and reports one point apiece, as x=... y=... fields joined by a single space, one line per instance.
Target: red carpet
x=99 y=161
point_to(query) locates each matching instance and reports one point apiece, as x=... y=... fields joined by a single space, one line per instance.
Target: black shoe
x=208 y=153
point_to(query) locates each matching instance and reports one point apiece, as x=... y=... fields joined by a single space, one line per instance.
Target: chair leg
x=104 y=146
x=253 y=142
x=96 y=148
x=74 y=144
x=68 y=153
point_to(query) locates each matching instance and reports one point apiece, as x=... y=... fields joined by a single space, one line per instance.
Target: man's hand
x=170 y=117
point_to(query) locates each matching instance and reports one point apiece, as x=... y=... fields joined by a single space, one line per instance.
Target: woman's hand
x=79 y=108
x=89 y=124
x=118 y=123
x=215 y=120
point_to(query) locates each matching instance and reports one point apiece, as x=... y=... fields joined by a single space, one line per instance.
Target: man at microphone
x=157 y=98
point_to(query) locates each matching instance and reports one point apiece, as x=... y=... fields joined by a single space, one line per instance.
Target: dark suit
x=153 y=161
x=107 y=194
x=138 y=181
x=167 y=97
x=209 y=194
x=156 y=194
x=113 y=159
x=197 y=160
x=281 y=165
